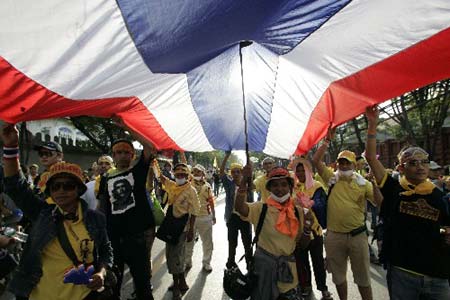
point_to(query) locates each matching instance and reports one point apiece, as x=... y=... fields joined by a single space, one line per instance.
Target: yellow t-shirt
x=260 y=187
x=205 y=197
x=347 y=203
x=272 y=241
x=183 y=199
x=55 y=263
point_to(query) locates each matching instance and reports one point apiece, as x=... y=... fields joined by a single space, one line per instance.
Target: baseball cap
x=434 y=165
x=348 y=155
x=51 y=146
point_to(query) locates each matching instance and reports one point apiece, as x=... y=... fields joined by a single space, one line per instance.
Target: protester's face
x=48 y=158
x=33 y=171
x=434 y=174
x=181 y=176
x=123 y=158
x=103 y=166
x=268 y=165
x=279 y=187
x=344 y=165
x=416 y=169
x=197 y=173
x=236 y=174
x=64 y=191
x=360 y=164
x=300 y=173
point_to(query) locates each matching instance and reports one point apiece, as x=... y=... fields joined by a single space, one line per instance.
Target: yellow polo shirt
x=273 y=241
x=183 y=199
x=346 y=203
x=55 y=263
x=205 y=197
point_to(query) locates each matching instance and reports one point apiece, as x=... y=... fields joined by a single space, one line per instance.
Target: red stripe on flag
x=421 y=64
x=23 y=99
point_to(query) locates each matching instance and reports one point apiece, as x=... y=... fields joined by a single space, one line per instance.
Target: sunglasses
x=67 y=186
x=45 y=153
x=416 y=163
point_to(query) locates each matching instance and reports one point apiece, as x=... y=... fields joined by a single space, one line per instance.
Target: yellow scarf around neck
x=424 y=188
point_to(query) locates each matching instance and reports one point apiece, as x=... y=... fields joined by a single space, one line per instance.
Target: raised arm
x=10 y=138
x=240 y=204
x=224 y=163
x=149 y=149
x=376 y=166
x=16 y=186
x=318 y=155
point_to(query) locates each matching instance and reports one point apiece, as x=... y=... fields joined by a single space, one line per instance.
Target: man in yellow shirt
x=205 y=219
x=346 y=233
x=182 y=199
x=260 y=182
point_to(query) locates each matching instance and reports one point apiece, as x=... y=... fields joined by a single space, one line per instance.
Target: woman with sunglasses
x=57 y=227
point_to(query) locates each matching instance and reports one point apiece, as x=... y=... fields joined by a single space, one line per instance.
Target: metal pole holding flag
x=243 y=44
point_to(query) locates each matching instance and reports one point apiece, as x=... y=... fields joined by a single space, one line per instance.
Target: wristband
x=371 y=136
x=10 y=152
x=306 y=233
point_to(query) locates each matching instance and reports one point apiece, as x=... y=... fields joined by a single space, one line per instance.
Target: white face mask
x=347 y=173
x=281 y=199
x=180 y=181
x=198 y=178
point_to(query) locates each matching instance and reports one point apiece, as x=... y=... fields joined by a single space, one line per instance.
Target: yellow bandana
x=424 y=188
x=174 y=191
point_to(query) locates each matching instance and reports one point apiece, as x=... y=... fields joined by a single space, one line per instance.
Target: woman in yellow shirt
x=283 y=228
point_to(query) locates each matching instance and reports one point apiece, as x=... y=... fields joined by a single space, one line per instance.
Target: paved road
x=209 y=286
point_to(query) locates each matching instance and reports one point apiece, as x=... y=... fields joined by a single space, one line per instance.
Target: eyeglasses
x=45 y=153
x=416 y=163
x=67 y=186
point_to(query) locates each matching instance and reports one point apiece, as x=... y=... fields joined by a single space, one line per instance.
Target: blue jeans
x=405 y=285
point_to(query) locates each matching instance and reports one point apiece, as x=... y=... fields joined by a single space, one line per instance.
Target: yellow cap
x=348 y=155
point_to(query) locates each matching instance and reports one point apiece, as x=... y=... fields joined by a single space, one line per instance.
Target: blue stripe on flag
x=178 y=35
x=216 y=94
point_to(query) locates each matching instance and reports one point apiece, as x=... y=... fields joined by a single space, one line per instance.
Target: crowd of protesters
x=101 y=220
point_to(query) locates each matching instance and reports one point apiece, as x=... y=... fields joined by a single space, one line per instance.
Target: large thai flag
x=171 y=68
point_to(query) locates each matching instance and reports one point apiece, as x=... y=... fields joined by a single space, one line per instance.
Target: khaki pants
x=203 y=225
x=342 y=246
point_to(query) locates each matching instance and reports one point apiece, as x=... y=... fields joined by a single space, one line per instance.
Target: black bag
x=171 y=228
x=237 y=285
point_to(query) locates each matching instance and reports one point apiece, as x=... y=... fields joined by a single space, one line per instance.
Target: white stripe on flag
x=362 y=34
x=82 y=50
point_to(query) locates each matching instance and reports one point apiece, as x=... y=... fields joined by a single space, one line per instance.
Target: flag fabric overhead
x=172 y=69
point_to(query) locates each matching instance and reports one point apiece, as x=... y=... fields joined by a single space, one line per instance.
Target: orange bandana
x=287 y=222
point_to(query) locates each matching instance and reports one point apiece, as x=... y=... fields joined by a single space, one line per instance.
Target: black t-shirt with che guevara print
x=412 y=238
x=123 y=198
